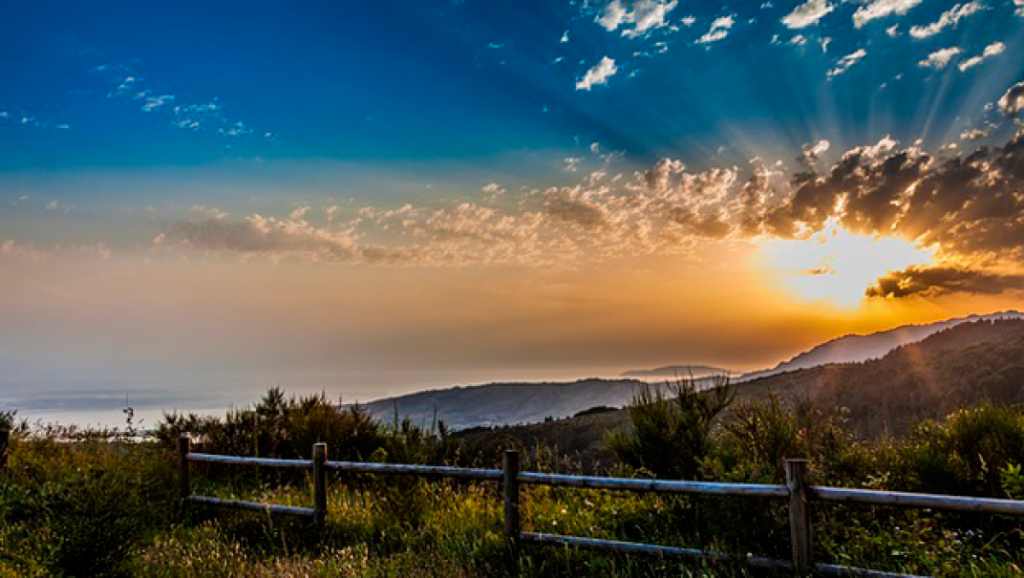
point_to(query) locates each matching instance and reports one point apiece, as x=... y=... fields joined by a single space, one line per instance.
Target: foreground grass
x=106 y=508
x=101 y=504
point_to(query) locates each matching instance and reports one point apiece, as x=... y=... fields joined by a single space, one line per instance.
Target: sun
x=835 y=265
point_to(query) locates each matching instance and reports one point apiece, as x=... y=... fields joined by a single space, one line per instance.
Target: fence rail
x=797 y=492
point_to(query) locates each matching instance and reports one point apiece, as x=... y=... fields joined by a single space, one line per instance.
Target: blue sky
x=499 y=182
x=408 y=82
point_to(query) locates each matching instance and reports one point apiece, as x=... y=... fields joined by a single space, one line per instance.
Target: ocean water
x=101 y=403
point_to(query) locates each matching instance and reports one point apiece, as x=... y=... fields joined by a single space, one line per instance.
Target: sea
x=102 y=403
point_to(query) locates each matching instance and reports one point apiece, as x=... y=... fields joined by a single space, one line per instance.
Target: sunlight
x=836 y=266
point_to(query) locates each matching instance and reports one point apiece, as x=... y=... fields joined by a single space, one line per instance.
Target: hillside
x=857 y=348
x=886 y=379
x=499 y=404
x=961 y=366
x=677 y=372
x=957 y=367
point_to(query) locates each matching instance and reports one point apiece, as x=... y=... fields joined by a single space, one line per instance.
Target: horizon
x=210 y=200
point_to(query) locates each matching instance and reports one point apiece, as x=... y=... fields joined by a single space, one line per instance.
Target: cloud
x=948 y=19
x=807 y=14
x=614 y=14
x=940 y=58
x=967 y=210
x=812 y=152
x=598 y=74
x=1012 y=100
x=934 y=281
x=719 y=30
x=154 y=102
x=876 y=9
x=11 y=249
x=994 y=49
x=977 y=133
x=847 y=61
x=208 y=116
x=645 y=16
x=259 y=234
x=55 y=205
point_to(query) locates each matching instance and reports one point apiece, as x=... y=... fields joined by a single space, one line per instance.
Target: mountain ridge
x=854 y=347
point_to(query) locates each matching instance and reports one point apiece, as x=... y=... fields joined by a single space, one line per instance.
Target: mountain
x=957 y=367
x=961 y=366
x=857 y=348
x=504 y=403
x=870 y=374
x=678 y=371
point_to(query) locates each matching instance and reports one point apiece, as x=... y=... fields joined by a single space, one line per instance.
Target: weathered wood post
x=5 y=443
x=510 y=483
x=184 y=477
x=319 y=485
x=799 y=516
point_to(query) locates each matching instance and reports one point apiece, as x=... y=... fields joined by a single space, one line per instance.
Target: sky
x=216 y=191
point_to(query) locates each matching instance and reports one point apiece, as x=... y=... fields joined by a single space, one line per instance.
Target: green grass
x=76 y=503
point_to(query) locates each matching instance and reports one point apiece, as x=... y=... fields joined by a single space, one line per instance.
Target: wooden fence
x=797 y=492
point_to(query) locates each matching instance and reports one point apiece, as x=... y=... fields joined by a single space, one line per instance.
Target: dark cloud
x=931 y=281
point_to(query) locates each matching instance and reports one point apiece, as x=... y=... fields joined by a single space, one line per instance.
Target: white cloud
x=847 y=61
x=949 y=18
x=599 y=74
x=994 y=49
x=1020 y=7
x=893 y=31
x=876 y=9
x=613 y=15
x=565 y=37
x=940 y=58
x=12 y=249
x=645 y=15
x=808 y=13
x=813 y=152
x=798 y=40
x=155 y=102
x=55 y=205
x=1012 y=100
x=977 y=133
x=719 y=30
x=688 y=21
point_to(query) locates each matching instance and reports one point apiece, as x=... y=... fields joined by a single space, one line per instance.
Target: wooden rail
x=797 y=492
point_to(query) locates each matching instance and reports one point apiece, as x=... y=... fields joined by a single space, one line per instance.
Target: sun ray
x=836 y=266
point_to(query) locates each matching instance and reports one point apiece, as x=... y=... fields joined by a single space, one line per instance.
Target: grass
x=81 y=503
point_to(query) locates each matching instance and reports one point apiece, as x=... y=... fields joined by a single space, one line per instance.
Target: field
x=88 y=503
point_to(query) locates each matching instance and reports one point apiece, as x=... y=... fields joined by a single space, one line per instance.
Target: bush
x=671 y=436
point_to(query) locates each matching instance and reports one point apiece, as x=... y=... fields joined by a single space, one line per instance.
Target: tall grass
x=98 y=503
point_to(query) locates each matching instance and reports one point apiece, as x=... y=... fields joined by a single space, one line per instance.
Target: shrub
x=671 y=436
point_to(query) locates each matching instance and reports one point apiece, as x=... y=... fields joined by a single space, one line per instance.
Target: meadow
x=103 y=502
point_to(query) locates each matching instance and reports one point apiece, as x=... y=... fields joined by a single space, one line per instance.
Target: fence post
x=511 y=490
x=319 y=485
x=799 y=516
x=184 y=479
x=5 y=442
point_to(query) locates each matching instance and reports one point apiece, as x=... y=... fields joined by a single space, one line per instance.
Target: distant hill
x=678 y=371
x=499 y=404
x=867 y=373
x=857 y=348
x=956 y=367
